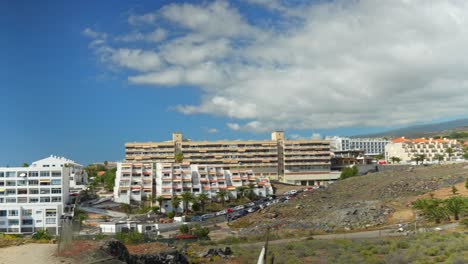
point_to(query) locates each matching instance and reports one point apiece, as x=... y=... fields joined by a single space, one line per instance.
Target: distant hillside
x=429 y=130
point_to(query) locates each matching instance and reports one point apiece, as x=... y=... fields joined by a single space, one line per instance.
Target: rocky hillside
x=357 y=202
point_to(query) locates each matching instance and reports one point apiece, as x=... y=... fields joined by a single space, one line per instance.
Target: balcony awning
x=2 y=189
x=51 y=210
x=44 y=180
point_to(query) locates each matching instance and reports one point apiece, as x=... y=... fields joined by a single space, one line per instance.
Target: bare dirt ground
x=360 y=202
x=32 y=253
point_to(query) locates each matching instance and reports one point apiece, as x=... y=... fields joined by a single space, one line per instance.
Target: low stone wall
x=364 y=169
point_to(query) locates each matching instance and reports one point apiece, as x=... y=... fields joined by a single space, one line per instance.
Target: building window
x=45 y=173
x=56 y=174
x=27 y=222
x=51 y=212
x=33 y=191
x=45 y=199
x=13 y=221
x=33 y=182
x=50 y=220
x=3 y=213
x=22 y=200
x=12 y=212
x=56 y=199
x=56 y=182
x=33 y=174
x=11 y=191
x=10 y=200
x=34 y=200
x=56 y=190
x=10 y=174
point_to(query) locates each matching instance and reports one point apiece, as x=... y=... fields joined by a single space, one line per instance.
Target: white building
x=370 y=146
x=133 y=182
x=34 y=197
x=172 y=179
x=408 y=150
x=78 y=175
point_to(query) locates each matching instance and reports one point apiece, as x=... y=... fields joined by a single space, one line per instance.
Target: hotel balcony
x=187 y=178
x=166 y=195
x=206 y=187
x=177 y=179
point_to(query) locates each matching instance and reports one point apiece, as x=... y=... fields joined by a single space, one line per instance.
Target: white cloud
x=157 y=35
x=212 y=130
x=149 y=18
x=345 y=63
x=136 y=59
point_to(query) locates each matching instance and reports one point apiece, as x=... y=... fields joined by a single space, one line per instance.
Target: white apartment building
x=34 y=197
x=407 y=150
x=133 y=182
x=78 y=175
x=370 y=146
x=172 y=179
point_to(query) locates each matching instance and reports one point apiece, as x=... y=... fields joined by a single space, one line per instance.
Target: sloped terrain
x=354 y=203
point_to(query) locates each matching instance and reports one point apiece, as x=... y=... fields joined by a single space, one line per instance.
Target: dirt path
x=32 y=253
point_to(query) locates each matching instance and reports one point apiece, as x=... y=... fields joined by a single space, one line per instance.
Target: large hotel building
x=305 y=162
x=35 y=197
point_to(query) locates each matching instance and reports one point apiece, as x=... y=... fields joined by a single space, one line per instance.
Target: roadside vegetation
x=421 y=248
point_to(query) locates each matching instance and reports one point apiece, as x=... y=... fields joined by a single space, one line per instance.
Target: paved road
x=103 y=212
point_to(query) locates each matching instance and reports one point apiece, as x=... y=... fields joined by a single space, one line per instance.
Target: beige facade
x=273 y=158
x=408 y=150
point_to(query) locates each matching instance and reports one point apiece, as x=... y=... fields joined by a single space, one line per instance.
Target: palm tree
x=449 y=152
x=431 y=208
x=241 y=190
x=175 y=202
x=160 y=200
x=251 y=193
x=127 y=208
x=456 y=205
x=420 y=158
x=150 y=199
x=221 y=195
x=439 y=157
x=202 y=198
x=187 y=197
x=179 y=157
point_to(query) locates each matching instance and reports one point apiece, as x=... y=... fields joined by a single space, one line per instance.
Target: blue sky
x=80 y=79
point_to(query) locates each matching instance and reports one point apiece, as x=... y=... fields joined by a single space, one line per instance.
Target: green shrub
x=201 y=232
x=130 y=238
x=171 y=215
x=41 y=235
x=402 y=244
x=432 y=251
x=184 y=229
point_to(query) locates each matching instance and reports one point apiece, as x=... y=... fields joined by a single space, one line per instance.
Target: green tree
x=203 y=198
x=241 y=190
x=465 y=155
x=201 y=232
x=432 y=209
x=24 y=165
x=395 y=160
x=454 y=190
x=449 y=152
x=160 y=200
x=196 y=206
x=381 y=156
x=187 y=197
x=420 y=158
x=175 y=202
x=127 y=208
x=439 y=157
x=251 y=191
x=349 y=172
x=155 y=209
x=184 y=229
x=179 y=157
x=466 y=183
x=221 y=195
x=456 y=205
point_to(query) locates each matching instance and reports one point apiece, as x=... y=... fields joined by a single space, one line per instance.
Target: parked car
x=252 y=209
x=222 y=212
x=239 y=207
x=250 y=204
x=206 y=216
x=197 y=218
